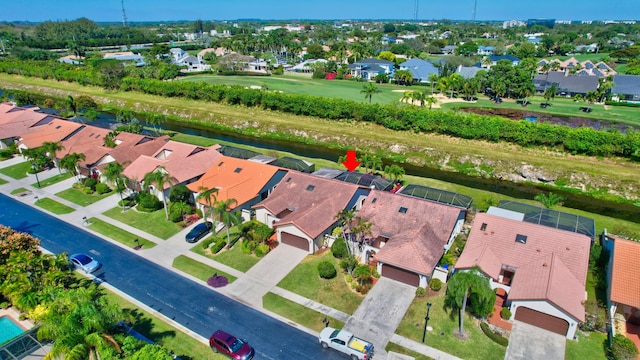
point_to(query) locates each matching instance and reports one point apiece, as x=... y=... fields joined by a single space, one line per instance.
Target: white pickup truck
x=346 y=342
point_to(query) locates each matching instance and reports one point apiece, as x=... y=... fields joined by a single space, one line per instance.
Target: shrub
x=180 y=193
x=480 y=308
x=497 y=338
x=91 y=183
x=220 y=243
x=148 y=202
x=375 y=273
x=199 y=213
x=175 y=215
x=435 y=284
x=262 y=249
x=87 y=190
x=505 y=313
x=327 y=270
x=421 y=292
x=349 y=263
x=623 y=348
x=102 y=188
x=348 y=278
x=339 y=248
x=244 y=247
x=364 y=288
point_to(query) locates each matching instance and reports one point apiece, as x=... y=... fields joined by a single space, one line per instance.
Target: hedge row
x=585 y=141
x=497 y=338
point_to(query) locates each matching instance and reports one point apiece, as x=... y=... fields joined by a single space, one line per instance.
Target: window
x=237 y=170
x=402 y=210
x=483 y=227
x=521 y=238
x=288 y=179
x=374 y=200
x=338 y=341
x=221 y=163
x=310 y=188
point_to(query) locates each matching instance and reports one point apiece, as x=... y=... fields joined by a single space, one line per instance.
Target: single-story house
x=567 y=85
x=17 y=121
x=54 y=131
x=247 y=182
x=543 y=270
x=137 y=59
x=370 y=68
x=449 y=49
x=493 y=60
x=303 y=208
x=626 y=87
x=408 y=235
x=305 y=65
x=623 y=292
x=485 y=50
x=71 y=59
x=185 y=163
x=468 y=72
x=420 y=69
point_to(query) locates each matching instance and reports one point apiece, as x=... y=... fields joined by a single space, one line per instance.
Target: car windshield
x=236 y=345
x=83 y=259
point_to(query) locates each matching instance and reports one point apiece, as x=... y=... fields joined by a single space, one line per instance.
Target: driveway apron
x=528 y=342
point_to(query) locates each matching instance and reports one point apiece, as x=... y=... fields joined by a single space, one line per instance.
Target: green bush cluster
x=505 y=313
x=91 y=183
x=219 y=245
x=435 y=284
x=148 y=202
x=207 y=242
x=339 y=248
x=623 y=348
x=261 y=250
x=421 y=292
x=102 y=188
x=327 y=270
x=497 y=338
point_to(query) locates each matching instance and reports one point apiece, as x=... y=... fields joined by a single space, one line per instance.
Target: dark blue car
x=198 y=232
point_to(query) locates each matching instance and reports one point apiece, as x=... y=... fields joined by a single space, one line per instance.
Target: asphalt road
x=192 y=305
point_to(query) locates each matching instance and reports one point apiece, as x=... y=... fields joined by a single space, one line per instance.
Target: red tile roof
x=566 y=255
x=83 y=142
x=15 y=121
x=625 y=280
x=182 y=161
x=417 y=236
x=54 y=131
x=234 y=178
x=313 y=201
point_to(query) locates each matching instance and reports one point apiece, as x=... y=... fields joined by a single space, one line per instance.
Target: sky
x=169 y=10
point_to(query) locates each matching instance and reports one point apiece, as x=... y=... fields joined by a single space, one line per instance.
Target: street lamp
x=33 y=165
x=426 y=321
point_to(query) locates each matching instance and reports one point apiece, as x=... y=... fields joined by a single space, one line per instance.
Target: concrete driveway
x=528 y=342
x=381 y=311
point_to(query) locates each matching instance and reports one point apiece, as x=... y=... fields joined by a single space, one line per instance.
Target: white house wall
x=547 y=308
x=265 y=216
x=292 y=229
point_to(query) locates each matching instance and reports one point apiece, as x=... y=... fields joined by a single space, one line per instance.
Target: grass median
x=118 y=234
x=198 y=269
x=154 y=223
x=54 y=206
x=17 y=171
x=297 y=313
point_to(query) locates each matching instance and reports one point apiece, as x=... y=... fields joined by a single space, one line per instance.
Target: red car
x=231 y=346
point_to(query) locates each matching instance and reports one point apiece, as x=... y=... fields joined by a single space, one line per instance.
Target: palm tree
x=159 y=177
x=71 y=105
x=550 y=93
x=461 y=285
x=51 y=148
x=209 y=196
x=70 y=163
x=228 y=218
x=431 y=100
x=549 y=201
x=369 y=90
x=113 y=173
x=394 y=171
x=433 y=80
x=155 y=120
x=419 y=96
x=375 y=163
x=344 y=218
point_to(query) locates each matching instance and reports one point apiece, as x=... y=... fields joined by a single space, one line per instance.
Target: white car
x=85 y=263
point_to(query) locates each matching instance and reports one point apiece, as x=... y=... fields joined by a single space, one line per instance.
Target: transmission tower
x=415 y=10
x=124 y=15
x=473 y=15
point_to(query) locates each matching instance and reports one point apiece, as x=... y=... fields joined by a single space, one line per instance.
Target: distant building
x=544 y=22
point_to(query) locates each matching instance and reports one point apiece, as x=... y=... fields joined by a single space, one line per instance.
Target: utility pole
x=124 y=15
x=475 y=6
x=415 y=10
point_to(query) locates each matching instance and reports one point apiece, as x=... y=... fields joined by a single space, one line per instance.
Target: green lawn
x=305 y=281
x=122 y=236
x=342 y=89
x=156 y=329
x=78 y=197
x=3 y=181
x=297 y=313
x=20 y=190
x=154 y=223
x=52 y=180
x=401 y=350
x=588 y=346
x=476 y=346
x=233 y=257
x=54 y=206
x=198 y=269
x=17 y=171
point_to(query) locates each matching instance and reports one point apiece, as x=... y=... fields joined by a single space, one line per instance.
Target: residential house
x=485 y=50
x=83 y=142
x=420 y=69
x=492 y=60
x=573 y=66
x=303 y=208
x=137 y=59
x=408 y=235
x=468 y=72
x=191 y=63
x=54 y=131
x=17 y=121
x=449 y=49
x=185 y=163
x=587 y=48
x=567 y=85
x=370 y=68
x=71 y=59
x=623 y=280
x=235 y=62
x=541 y=269
x=247 y=182
x=307 y=65
x=626 y=88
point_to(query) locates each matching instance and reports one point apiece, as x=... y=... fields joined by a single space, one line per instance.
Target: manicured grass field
x=305 y=281
x=154 y=223
x=198 y=269
x=158 y=330
x=476 y=346
x=78 y=197
x=52 y=180
x=588 y=346
x=298 y=313
x=401 y=350
x=54 y=206
x=342 y=89
x=122 y=236
x=19 y=190
x=3 y=181
x=233 y=257
x=17 y=171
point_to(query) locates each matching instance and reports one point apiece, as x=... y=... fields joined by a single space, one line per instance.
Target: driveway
x=381 y=311
x=528 y=342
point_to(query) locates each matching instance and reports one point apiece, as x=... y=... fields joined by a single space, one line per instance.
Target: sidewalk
x=248 y=288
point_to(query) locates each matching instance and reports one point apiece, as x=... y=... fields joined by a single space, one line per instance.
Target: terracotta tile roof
x=15 y=121
x=84 y=142
x=416 y=235
x=182 y=161
x=313 y=201
x=54 y=131
x=235 y=179
x=129 y=147
x=496 y=245
x=625 y=280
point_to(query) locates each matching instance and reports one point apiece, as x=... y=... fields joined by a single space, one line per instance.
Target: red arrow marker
x=351 y=163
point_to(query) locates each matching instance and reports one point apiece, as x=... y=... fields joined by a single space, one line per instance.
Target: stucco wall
x=547 y=308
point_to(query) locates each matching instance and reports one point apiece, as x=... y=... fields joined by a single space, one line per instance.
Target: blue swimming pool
x=8 y=329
